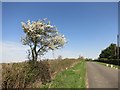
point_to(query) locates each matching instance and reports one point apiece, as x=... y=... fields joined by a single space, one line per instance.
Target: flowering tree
x=41 y=37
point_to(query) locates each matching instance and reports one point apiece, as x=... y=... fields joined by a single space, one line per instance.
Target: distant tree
x=59 y=57
x=109 y=53
x=41 y=37
x=80 y=57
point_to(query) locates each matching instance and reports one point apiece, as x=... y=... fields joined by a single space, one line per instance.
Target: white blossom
x=43 y=34
x=22 y=23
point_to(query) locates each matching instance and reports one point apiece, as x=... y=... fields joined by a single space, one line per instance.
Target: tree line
x=110 y=53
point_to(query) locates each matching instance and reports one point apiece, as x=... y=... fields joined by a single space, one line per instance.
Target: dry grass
x=57 y=66
x=29 y=75
x=0 y=76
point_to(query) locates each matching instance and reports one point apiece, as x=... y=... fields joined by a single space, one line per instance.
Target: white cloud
x=64 y=53
x=16 y=52
x=13 y=52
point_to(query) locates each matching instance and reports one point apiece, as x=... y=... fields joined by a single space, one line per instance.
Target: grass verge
x=74 y=77
x=33 y=75
x=109 y=65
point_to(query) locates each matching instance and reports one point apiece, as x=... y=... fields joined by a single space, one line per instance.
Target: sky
x=60 y=0
x=0 y=21
x=88 y=27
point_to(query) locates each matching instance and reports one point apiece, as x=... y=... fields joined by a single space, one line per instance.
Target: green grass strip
x=74 y=77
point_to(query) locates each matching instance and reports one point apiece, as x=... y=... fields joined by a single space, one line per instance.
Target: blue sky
x=88 y=27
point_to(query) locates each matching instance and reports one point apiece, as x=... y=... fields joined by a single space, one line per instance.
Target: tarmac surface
x=100 y=76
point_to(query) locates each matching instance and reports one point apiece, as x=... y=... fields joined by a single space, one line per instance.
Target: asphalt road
x=100 y=76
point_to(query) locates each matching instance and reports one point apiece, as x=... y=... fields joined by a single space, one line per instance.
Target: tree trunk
x=33 y=57
x=35 y=52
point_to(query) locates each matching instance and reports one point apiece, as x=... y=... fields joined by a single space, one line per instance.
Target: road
x=100 y=76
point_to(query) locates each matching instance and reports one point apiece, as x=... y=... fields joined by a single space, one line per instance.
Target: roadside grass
x=109 y=65
x=74 y=77
x=33 y=75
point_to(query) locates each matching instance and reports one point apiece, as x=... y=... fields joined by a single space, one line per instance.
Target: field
x=44 y=74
